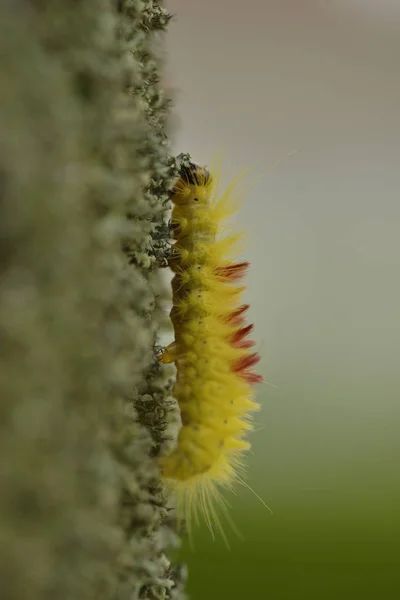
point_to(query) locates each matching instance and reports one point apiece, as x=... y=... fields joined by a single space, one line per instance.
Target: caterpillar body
x=212 y=352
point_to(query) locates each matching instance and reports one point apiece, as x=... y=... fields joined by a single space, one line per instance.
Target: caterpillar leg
x=169 y=354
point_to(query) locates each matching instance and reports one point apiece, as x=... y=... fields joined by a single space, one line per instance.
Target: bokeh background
x=256 y=80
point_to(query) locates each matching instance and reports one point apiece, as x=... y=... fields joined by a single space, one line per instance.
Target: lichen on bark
x=85 y=168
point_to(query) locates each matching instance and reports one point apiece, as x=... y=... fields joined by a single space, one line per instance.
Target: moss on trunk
x=84 y=173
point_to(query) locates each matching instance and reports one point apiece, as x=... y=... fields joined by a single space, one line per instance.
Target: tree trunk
x=84 y=174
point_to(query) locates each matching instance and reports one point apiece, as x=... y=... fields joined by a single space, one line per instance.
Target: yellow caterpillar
x=211 y=350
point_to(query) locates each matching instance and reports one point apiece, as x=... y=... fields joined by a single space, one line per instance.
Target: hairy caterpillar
x=212 y=351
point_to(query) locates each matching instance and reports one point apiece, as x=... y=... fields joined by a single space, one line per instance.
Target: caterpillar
x=212 y=351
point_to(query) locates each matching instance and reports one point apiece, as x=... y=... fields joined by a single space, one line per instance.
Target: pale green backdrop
x=258 y=79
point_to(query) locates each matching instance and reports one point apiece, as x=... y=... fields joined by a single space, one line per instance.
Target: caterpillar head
x=193 y=185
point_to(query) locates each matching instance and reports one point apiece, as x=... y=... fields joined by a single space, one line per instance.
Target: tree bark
x=84 y=174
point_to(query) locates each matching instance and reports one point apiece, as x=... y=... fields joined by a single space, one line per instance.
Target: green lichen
x=85 y=169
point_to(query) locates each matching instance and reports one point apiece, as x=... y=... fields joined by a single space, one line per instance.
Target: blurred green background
x=257 y=80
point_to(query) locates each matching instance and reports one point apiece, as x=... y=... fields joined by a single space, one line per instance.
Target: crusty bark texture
x=84 y=174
